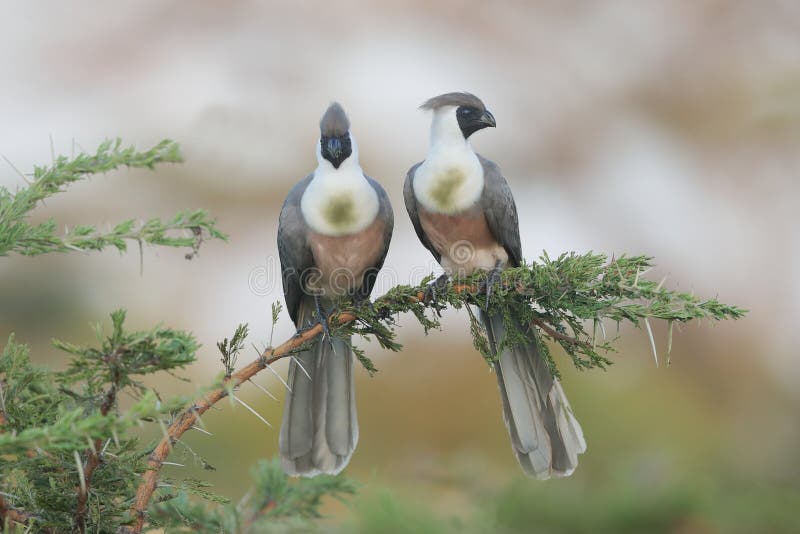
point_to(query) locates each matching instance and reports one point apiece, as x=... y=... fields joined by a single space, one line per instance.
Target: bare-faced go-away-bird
x=333 y=235
x=464 y=213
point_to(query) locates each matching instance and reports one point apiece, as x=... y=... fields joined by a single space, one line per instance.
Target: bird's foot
x=322 y=319
x=435 y=288
x=489 y=284
x=366 y=303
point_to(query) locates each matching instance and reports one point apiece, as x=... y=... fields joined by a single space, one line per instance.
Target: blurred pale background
x=661 y=128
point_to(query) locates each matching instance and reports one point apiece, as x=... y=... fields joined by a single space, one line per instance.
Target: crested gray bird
x=464 y=213
x=333 y=235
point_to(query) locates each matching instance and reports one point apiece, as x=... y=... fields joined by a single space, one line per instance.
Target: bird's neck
x=446 y=134
x=450 y=179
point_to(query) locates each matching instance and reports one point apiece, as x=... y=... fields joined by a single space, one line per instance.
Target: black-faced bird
x=464 y=214
x=333 y=235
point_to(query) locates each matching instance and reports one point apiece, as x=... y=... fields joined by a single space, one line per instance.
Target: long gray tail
x=319 y=430
x=545 y=435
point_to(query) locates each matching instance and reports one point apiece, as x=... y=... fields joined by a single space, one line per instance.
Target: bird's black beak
x=488 y=119
x=333 y=148
x=336 y=149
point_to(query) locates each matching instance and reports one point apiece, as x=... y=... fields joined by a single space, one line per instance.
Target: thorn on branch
x=243 y=403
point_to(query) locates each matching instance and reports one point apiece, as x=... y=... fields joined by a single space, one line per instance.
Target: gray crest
x=454 y=99
x=334 y=122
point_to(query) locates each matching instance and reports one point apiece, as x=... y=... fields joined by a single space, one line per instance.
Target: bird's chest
x=448 y=185
x=338 y=211
x=463 y=240
x=340 y=262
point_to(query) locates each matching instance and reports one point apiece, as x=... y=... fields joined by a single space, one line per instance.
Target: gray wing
x=501 y=211
x=387 y=215
x=413 y=212
x=293 y=249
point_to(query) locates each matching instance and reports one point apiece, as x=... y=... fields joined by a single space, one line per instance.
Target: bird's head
x=335 y=143
x=470 y=113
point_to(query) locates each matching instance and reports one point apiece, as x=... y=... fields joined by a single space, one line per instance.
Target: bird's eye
x=465 y=111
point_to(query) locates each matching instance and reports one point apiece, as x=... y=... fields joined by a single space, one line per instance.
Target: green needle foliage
x=230 y=349
x=186 y=229
x=121 y=357
x=54 y=421
x=564 y=300
x=272 y=504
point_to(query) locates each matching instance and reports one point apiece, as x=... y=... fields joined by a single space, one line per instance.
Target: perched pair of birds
x=333 y=236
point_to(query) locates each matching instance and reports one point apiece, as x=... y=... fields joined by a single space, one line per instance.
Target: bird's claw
x=381 y=313
x=487 y=285
x=322 y=319
x=431 y=293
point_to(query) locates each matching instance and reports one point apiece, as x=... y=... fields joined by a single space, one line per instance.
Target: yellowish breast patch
x=339 y=211
x=444 y=189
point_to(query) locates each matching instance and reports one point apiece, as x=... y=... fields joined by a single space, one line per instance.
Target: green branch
x=73 y=429
x=567 y=300
x=185 y=230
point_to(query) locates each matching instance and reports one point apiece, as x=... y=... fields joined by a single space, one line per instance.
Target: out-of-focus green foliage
x=186 y=229
x=53 y=422
x=690 y=506
x=272 y=504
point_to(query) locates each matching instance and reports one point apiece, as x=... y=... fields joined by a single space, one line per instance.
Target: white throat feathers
x=339 y=201
x=450 y=180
